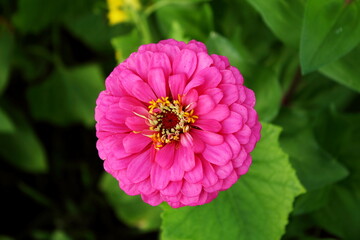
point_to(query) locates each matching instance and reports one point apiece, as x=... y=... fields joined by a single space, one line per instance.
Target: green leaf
x=22 y=148
x=68 y=96
x=33 y=16
x=331 y=29
x=284 y=18
x=92 y=29
x=266 y=86
x=256 y=207
x=126 y=44
x=345 y=70
x=341 y=215
x=194 y=17
x=6 y=124
x=217 y=44
x=306 y=155
x=130 y=209
x=7 y=45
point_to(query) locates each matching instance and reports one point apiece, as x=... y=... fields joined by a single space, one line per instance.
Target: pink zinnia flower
x=176 y=124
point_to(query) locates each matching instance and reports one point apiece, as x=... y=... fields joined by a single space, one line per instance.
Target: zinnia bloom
x=176 y=124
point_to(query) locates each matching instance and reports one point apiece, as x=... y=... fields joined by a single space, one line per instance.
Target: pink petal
x=170 y=50
x=191 y=189
x=130 y=189
x=199 y=145
x=204 y=105
x=231 y=93
x=157 y=82
x=208 y=137
x=176 y=172
x=215 y=93
x=229 y=181
x=204 y=61
x=212 y=77
x=186 y=158
x=219 y=154
x=134 y=143
x=239 y=78
x=128 y=103
x=234 y=144
x=185 y=62
x=159 y=177
x=139 y=168
x=219 y=113
x=245 y=167
x=216 y=187
x=250 y=97
x=136 y=124
x=193 y=83
x=106 y=125
x=189 y=201
x=239 y=160
x=196 y=174
x=240 y=109
x=224 y=171
x=208 y=125
x=119 y=163
x=177 y=84
x=127 y=79
x=153 y=199
x=145 y=187
x=189 y=100
x=186 y=140
x=165 y=156
x=139 y=62
x=232 y=124
x=228 y=77
x=251 y=144
x=172 y=189
x=210 y=177
x=161 y=60
x=143 y=92
x=171 y=199
x=252 y=117
x=243 y=136
x=117 y=115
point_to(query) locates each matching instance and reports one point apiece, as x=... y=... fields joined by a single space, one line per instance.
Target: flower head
x=176 y=124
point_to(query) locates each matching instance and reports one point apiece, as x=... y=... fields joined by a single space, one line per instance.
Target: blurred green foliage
x=300 y=57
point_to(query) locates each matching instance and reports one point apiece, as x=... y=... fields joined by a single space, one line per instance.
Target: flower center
x=168 y=119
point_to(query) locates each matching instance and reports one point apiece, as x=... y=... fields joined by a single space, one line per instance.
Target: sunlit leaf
x=256 y=207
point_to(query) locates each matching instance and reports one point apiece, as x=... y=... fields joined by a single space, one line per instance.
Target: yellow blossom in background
x=119 y=10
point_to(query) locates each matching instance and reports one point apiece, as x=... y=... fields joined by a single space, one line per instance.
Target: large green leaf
x=345 y=70
x=256 y=207
x=306 y=155
x=330 y=30
x=341 y=215
x=68 y=96
x=130 y=209
x=283 y=17
x=21 y=147
x=7 y=44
